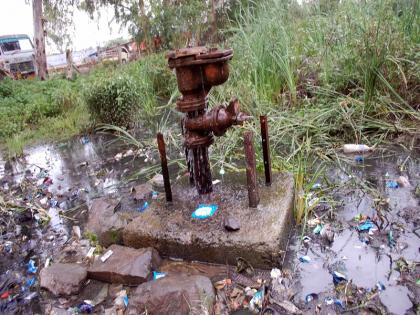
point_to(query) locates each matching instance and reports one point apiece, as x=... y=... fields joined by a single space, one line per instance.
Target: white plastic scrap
x=90 y=252
x=106 y=255
x=275 y=273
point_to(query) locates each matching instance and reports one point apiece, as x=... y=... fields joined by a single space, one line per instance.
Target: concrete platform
x=263 y=234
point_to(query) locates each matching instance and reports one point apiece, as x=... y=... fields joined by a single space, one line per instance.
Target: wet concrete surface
x=82 y=171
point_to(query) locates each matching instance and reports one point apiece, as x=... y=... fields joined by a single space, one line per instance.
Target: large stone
x=63 y=279
x=173 y=295
x=126 y=265
x=261 y=239
x=142 y=191
x=105 y=222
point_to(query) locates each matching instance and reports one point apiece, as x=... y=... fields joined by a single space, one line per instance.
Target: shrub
x=113 y=100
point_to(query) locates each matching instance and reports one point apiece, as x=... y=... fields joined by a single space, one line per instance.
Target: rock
x=173 y=295
x=63 y=279
x=105 y=222
x=403 y=181
x=157 y=182
x=289 y=307
x=126 y=265
x=231 y=223
x=59 y=311
x=141 y=192
x=76 y=233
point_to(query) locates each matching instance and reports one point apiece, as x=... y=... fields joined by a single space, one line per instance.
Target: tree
x=39 y=40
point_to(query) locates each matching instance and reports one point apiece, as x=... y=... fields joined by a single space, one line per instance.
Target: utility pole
x=39 y=40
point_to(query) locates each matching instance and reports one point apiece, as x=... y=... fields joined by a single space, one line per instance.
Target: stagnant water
x=81 y=170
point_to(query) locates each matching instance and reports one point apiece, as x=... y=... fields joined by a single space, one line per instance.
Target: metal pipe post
x=251 y=170
x=164 y=164
x=266 y=149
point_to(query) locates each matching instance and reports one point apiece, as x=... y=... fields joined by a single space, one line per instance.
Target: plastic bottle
x=356 y=148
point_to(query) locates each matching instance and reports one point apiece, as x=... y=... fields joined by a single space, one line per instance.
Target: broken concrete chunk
x=63 y=279
x=141 y=192
x=105 y=222
x=157 y=182
x=126 y=265
x=173 y=295
x=231 y=223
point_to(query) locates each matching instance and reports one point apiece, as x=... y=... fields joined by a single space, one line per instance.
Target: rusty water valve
x=198 y=69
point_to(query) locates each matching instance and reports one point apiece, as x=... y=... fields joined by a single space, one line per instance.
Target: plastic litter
x=122 y=299
x=275 y=273
x=154 y=194
x=125 y=300
x=85 y=140
x=31 y=296
x=30 y=281
x=380 y=286
x=306 y=239
x=365 y=226
x=257 y=301
x=338 y=277
x=304 y=259
x=359 y=158
x=329 y=300
x=318 y=229
x=391 y=240
x=53 y=203
x=5 y=295
x=31 y=268
x=106 y=255
x=90 y=252
x=316 y=186
x=310 y=297
x=339 y=303
x=204 y=211
x=158 y=275
x=143 y=207
x=85 y=308
x=222 y=171
x=356 y=148
x=392 y=184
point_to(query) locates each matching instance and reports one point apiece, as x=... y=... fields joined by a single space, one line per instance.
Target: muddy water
x=365 y=258
x=82 y=171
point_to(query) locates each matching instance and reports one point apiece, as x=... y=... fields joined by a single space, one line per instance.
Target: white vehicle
x=17 y=55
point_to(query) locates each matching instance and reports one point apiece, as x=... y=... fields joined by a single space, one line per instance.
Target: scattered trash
x=289 y=307
x=256 y=302
x=106 y=255
x=403 y=181
x=391 y=240
x=30 y=281
x=216 y=181
x=392 y=184
x=316 y=186
x=338 y=277
x=304 y=259
x=329 y=300
x=158 y=275
x=5 y=295
x=318 y=229
x=306 y=239
x=154 y=194
x=365 y=226
x=53 y=203
x=90 y=252
x=125 y=300
x=47 y=262
x=222 y=171
x=121 y=300
x=380 y=286
x=356 y=148
x=275 y=273
x=339 y=303
x=314 y=222
x=359 y=158
x=31 y=296
x=204 y=211
x=118 y=157
x=31 y=268
x=85 y=308
x=143 y=207
x=84 y=140
x=310 y=297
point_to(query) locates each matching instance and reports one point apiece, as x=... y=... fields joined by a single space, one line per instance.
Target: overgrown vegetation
x=325 y=74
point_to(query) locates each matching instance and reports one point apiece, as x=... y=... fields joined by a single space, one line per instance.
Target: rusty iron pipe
x=164 y=164
x=266 y=149
x=251 y=170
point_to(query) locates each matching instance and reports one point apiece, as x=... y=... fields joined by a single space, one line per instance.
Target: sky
x=16 y=18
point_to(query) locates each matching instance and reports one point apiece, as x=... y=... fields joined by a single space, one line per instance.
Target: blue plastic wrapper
x=143 y=207
x=158 y=275
x=84 y=140
x=30 y=281
x=31 y=268
x=318 y=229
x=391 y=240
x=125 y=300
x=338 y=277
x=392 y=184
x=359 y=158
x=304 y=259
x=154 y=194
x=85 y=308
x=339 y=303
x=366 y=226
x=380 y=286
x=310 y=297
x=204 y=211
x=329 y=300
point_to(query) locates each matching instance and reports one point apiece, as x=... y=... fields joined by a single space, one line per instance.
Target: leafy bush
x=113 y=100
